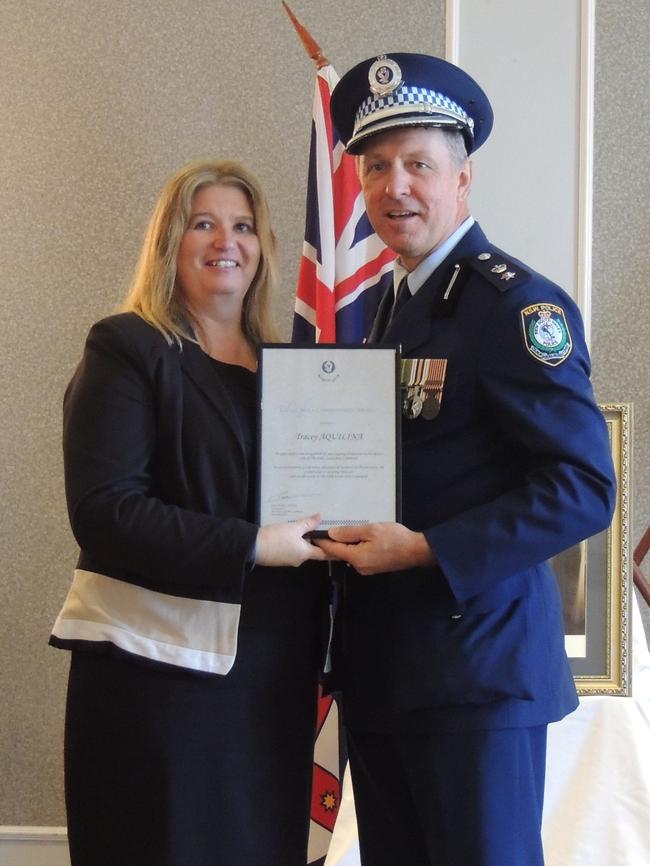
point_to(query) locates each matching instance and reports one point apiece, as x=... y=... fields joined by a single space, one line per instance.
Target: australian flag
x=344 y=270
x=345 y=267
x=329 y=764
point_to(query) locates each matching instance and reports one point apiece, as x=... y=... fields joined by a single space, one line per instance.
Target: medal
x=431 y=406
x=414 y=402
x=422 y=381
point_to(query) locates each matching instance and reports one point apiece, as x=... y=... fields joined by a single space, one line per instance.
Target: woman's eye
x=202 y=225
x=244 y=227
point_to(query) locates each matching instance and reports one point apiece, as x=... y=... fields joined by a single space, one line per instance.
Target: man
x=451 y=656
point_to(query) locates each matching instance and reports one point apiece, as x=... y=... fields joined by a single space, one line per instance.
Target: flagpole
x=312 y=47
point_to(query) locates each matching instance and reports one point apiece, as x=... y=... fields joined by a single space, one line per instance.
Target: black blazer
x=152 y=499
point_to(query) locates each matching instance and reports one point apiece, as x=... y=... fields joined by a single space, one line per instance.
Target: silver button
x=483 y=257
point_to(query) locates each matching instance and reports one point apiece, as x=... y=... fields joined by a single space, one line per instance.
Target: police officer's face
x=415 y=197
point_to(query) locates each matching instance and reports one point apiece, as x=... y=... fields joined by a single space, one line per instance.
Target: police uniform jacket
x=515 y=468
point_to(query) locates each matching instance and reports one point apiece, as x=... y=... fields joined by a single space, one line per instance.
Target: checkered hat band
x=409 y=99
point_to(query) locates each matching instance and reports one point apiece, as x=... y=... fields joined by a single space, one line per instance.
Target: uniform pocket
x=466 y=658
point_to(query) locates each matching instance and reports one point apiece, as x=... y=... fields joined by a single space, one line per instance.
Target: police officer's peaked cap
x=398 y=90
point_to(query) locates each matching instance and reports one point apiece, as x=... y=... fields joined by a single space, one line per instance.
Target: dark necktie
x=402 y=295
x=382 y=324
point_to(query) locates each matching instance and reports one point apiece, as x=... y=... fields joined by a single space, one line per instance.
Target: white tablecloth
x=597 y=804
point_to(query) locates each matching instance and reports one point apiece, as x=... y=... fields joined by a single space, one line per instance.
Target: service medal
x=417 y=402
x=431 y=406
x=422 y=381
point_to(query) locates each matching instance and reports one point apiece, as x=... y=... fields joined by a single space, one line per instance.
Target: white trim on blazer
x=190 y=633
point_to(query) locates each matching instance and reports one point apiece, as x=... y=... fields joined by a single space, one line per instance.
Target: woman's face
x=219 y=252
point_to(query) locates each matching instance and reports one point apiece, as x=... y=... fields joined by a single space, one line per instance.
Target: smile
x=222 y=263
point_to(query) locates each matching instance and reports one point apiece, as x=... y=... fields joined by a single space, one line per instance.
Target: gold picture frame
x=595 y=583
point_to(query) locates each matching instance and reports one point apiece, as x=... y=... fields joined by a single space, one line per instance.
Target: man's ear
x=465 y=177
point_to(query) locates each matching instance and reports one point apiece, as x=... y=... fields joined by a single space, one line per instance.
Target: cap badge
x=384 y=76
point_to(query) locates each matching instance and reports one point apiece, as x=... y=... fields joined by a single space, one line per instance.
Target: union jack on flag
x=345 y=267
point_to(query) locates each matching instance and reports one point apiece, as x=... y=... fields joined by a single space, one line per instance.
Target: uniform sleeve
x=547 y=414
x=110 y=439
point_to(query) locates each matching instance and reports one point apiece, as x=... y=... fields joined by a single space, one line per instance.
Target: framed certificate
x=329 y=434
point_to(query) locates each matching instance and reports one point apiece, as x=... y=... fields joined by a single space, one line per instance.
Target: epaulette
x=498 y=269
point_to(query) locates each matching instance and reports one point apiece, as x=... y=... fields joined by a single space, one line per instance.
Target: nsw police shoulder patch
x=546 y=333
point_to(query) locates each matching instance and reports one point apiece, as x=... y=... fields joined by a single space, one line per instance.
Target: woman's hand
x=283 y=543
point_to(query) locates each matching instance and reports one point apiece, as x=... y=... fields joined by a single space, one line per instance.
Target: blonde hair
x=154 y=294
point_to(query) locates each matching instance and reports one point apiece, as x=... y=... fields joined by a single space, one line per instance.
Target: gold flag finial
x=311 y=46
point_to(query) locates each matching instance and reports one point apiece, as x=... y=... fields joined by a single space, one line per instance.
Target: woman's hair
x=154 y=292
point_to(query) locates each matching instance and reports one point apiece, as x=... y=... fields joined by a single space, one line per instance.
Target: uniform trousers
x=472 y=798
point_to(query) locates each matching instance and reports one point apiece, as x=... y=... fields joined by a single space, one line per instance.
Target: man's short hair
x=456 y=146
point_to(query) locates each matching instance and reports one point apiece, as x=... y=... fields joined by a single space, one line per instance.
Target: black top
x=241 y=385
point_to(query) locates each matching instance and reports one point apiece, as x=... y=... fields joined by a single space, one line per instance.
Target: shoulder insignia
x=498 y=269
x=546 y=333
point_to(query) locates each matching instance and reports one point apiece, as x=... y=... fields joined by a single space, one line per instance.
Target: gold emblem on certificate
x=422 y=381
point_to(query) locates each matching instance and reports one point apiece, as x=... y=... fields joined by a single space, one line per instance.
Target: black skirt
x=165 y=767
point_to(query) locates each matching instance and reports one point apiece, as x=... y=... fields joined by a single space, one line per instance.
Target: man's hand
x=378 y=547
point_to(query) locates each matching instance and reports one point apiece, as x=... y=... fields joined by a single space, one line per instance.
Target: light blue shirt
x=419 y=276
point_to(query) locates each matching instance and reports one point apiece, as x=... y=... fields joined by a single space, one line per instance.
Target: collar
x=418 y=277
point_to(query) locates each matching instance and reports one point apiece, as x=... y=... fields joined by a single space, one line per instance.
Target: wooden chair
x=640 y=580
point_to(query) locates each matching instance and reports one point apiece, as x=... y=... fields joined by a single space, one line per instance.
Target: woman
x=192 y=691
